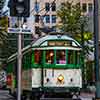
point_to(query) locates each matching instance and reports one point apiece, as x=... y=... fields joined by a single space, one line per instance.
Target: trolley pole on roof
x=19 y=59
x=96 y=31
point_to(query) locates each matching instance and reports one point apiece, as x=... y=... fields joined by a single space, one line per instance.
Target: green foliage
x=3 y=29
x=72 y=20
x=3 y=23
x=70 y=17
x=86 y=35
x=5 y=46
x=89 y=71
x=74 y=23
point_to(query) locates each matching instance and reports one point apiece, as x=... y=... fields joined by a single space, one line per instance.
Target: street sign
x=19 y=30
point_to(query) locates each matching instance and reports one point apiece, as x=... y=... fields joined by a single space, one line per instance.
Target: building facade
x=43 y=17
x=87 y=7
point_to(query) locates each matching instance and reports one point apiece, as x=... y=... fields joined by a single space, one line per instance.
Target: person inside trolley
x=61 y=58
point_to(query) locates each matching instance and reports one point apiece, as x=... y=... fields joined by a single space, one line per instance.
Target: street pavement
x=65 y=99
x=82 y=96
x=4 y=95
x=87 y=96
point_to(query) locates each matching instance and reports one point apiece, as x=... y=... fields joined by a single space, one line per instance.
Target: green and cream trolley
x=51 y=64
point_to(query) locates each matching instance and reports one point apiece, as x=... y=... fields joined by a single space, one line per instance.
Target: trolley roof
x=39 y=42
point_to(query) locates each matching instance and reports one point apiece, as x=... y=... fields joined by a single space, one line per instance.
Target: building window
x=84 y=7
x=36 y=6
x=90 y=7
x=53 y=18
x=53 y=6
x=47 y=6
x=47 y=18
x=37 y=18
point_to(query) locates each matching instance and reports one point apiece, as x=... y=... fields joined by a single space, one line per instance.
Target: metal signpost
x=19 y=59
x=19 y=31
x=19 y=9
x=96 y=54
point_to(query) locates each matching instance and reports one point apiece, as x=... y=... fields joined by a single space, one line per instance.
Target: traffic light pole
x=19 y=62
x=96 y=33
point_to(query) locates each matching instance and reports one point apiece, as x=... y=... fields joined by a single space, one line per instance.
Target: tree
x=75 y=24
x=3 y=23
x=3 y=37
x=70 y=17
x=3 y=29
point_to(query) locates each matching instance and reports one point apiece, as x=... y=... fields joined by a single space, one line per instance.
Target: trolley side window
x=77 y=57
x=10 y=67
x=74 y=57
x=60 y=57
x=70 y=57
x=49 y=56
x=37 y=56
x=26 y=61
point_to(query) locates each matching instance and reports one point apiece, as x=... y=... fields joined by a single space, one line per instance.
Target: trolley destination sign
x=59 y=43
x=19 y=30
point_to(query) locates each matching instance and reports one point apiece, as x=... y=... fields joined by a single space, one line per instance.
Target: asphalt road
x=4 y=95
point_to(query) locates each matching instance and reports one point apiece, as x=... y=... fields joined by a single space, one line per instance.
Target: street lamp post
x=20 y=32
x=96 y=54
x=82 y=43
x=19 y=62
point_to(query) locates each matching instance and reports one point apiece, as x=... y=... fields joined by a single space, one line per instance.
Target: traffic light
x=19 y=8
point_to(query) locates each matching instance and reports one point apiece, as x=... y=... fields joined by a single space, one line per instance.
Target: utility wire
x=41 y=18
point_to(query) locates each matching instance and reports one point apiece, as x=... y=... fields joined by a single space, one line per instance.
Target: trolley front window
x=49 y=56
x=60 y=57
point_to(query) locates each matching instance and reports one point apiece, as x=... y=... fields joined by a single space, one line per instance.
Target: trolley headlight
x=60 y=78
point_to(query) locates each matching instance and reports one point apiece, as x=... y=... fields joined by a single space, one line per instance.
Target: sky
x=5 y=7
